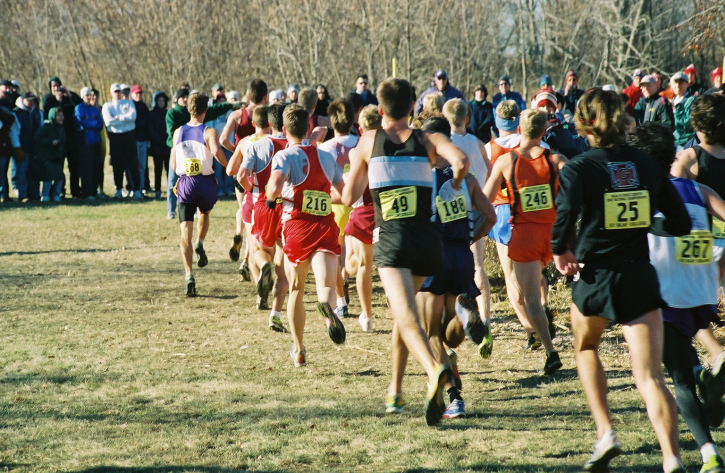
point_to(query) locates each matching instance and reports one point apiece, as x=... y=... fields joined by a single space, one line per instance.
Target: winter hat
x=691 y=69
x=545 y=98
x=571 y=73
x=504 y=78
x=716 y=72
x=546 y=80
x=85 y=91
x=609 y=87
x=292 y=87
x=182 y=92
x=275 y=95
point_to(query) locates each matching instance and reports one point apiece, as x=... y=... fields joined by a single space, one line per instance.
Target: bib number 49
x=399 y=203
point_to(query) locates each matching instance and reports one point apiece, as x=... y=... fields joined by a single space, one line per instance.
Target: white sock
x=189 y=274
x=274 y=312
x=707 y=451
x=341 y=302
x=200 y=241
x=671 y=464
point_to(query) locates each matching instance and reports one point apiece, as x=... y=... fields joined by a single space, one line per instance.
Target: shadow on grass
x=44 y=252
x=163 y=469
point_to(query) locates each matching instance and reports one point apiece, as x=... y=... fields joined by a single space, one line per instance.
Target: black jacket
x=654 y=109
x=142 y=121
x=481 y=120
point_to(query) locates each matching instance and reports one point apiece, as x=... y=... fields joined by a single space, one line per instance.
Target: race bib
x=316 y=203
x=695 y=248
x=536 y=198
x=399 y=203
x=626 y=210
x=192 y=166
x=453 y=210
x=718 y=228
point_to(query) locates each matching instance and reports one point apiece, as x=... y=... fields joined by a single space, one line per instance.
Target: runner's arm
x=440 y=147
x=212 y=141
x=715 y=205
x=496 y=179
x=568 y=207
x=275 y=184
x=685 y=164
x=235 y=161
x=559 y=159
x=677 y=220
x=229 y=129
x=318 y=134
x=172 y=156
x=483 y=205
x=357 y=179
x=486 y=161
x=336 y=192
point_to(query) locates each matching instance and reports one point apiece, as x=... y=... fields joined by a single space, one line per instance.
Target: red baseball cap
x=136 y=89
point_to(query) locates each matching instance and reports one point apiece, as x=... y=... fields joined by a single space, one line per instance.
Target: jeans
x=53 y=187
x=19 y=173
x=226 y=183
x=170 y=196
x=142 y=151
x=4 y=164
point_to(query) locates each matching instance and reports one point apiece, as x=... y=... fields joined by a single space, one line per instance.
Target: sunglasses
x=441 y=77
x=363 y=83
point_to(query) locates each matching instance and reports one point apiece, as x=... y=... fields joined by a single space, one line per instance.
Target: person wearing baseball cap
x=633 y=92
x=91 y=124
x=652 y=107
x=143 y=136
x=126 y=89
x=695 y=87
x=119 y=115
x=681 y=106
x=571 y=91
x=6 y=94
x=440 y=84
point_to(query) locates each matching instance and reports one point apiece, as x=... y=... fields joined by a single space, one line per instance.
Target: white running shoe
x=366 y=323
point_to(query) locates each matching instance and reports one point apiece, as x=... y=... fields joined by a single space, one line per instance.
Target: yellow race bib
x=399 y=203
x=316 y=203
x=718 y=228
x=453 y=210
x=624 y=210
x=536 y=198
x=192 y=166
x=695 y=248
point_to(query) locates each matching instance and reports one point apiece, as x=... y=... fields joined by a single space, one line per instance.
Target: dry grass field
x=106 y=366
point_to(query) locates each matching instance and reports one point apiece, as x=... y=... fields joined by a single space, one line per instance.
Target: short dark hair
x=363 y=76
x=296 y=121
x=259 y=116
x=275 y=115
x=257 y=90
x=198 y=104
x=482 y=88
x=396 y=98
x=656 y=140
x=708 y=117
x=356 y=100
x=341 y=115
x=439 y=124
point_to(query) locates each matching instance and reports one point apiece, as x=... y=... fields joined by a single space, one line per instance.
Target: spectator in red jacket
x=633 y=91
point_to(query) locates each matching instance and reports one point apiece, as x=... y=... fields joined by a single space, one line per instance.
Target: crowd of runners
x=624 y=200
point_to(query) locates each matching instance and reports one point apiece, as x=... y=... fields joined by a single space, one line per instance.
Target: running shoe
x=714 y=464
x=203 y=260
x=275 y=323
x=118 y=195
x=467 y=312
x=455 y=409
x=262 y=304
x=486 y=346
x=533 y=343
x=454 y=367
x=265 y=281
x=394 y=403
x=171 y=216
x=236 y=246
x=711 y=397
x=553 y=363
x=718 y=374
x=347 y=291
x=335 y=329
x=45 y=199
x=157 y=194
x=342 y=312
x=434 y=406
x=137 y=195
x=366 y=323
x=190 y=287
x=298 y=357
x=605 y=449
x=550 y=314
x=245 y=271
x=56 y=198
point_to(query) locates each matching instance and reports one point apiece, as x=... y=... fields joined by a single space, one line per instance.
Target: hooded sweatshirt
x=90 y=121
x=157 y=128
x=68 y=104
x=30 y=122
x=51 y=154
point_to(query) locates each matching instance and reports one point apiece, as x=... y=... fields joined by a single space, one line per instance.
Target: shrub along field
x=106 y=366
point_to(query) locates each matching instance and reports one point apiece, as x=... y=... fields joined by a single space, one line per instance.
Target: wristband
x=271 y=204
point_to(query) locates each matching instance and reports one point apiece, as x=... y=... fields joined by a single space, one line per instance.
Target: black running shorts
x=415 y=247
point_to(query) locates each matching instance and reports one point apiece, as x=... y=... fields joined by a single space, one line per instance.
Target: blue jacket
x=515 y=96
x=90 y=121
x=449 y=93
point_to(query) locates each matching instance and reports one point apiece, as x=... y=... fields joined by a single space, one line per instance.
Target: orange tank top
x=532 y=188
x=496 y=152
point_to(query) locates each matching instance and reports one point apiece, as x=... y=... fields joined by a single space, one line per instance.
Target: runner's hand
x=448 y=193
x=567 y=264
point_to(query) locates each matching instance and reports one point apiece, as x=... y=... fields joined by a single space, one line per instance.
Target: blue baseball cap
x=439 y=73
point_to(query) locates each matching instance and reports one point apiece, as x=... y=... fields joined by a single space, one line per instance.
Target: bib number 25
x=398 y=203
x=624 y=210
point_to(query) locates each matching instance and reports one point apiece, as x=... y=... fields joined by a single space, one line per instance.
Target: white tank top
x=469 y=145
x=193 y=157
x=686 y=280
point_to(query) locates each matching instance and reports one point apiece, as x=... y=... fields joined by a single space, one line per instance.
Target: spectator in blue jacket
x=91 y=124
x=439 y=84
x=30 y=120
x=481 y=115
x=505 y=93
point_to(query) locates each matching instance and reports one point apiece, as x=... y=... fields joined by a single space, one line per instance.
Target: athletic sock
x=707 y=451
x=274 y=312
x=341 y=302
x=672 y=463
x=200 y=241
x=189 y=274
x=454 y=393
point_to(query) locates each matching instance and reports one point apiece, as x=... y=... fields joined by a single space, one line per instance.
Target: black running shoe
x=203 y=260
x=467 y=312
x=236 y=246
x=533 y=343
x=711 y=397
x=245 y=271
x=553 y=363
x=335 y=329
x=265 y=282
x=347 y=292
x=190 y=287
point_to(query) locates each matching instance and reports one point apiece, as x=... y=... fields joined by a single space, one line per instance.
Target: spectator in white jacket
x=119 y=115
